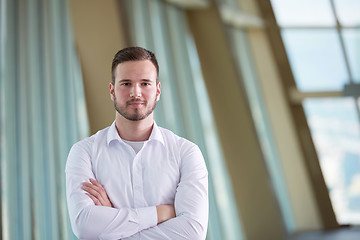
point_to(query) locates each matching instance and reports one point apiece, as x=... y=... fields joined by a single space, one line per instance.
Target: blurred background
x=268 y=89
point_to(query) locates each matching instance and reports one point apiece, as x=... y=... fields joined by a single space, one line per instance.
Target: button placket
x=138 y=182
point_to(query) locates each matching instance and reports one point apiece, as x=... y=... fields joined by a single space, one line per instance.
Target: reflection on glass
x=316 y=59
x=348 y=12
x=352 y=45
x=303 y=12
x=334 y=125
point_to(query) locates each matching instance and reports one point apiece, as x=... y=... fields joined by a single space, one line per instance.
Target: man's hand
x=165 y=212
x=97 y=193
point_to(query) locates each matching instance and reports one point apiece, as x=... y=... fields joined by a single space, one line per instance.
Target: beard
x=135 y=114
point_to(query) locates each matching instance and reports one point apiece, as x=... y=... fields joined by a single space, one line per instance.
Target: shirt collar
x=113 y=134
x=154 y=136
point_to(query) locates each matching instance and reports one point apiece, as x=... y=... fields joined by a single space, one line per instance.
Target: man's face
x=135 y=91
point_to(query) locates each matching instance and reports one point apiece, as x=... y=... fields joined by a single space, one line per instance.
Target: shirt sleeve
x=98 y=222
x=191 y=203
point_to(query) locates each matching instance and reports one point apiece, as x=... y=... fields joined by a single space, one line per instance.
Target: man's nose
x=135 y=91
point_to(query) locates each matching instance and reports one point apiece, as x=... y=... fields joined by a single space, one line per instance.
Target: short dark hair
x=133 y=54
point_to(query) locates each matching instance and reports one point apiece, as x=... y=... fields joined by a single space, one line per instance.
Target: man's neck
x=135 y=131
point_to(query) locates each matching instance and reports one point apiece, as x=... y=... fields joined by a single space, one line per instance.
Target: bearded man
x=134 y=179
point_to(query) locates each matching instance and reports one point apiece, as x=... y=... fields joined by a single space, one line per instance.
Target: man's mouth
x=135 y=103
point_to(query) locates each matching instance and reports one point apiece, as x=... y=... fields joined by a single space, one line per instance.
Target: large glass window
x=352 y=40
x=335 y=129
x=316 y=59
x=323 y=46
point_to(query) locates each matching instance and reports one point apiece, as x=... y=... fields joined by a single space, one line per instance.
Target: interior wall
x=291 y=157
x=258 y=209
x=98 y=33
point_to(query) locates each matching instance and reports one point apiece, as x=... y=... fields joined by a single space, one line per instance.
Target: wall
x=98 y=36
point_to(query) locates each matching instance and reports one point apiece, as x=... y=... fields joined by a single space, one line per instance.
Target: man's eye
x=125 y=84
x=146 y=84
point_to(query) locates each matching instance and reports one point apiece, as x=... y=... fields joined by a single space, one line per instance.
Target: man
x=135 y=180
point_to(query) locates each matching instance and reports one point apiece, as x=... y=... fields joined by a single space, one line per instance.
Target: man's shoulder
x=186 y=150
x=82 y=151
x=173 y=139
x=89 y=142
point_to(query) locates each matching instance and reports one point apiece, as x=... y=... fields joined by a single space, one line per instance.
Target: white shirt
x=135 y=145
x=167 y=170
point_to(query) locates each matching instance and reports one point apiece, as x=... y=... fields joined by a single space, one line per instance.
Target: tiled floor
x=345 y=233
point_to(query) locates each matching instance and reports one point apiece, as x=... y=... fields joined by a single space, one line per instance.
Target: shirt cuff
x=147 y=217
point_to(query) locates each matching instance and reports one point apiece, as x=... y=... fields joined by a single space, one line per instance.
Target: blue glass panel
x=334 y=125
x=352 y=45
x=316 y=59
x=303 y=12
x=348 y=12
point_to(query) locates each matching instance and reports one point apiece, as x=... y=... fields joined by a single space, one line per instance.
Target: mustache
x=135 y=100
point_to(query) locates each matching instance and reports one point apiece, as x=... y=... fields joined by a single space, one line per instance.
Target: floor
x=344 y=233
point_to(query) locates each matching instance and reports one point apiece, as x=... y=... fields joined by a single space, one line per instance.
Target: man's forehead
x=130 y=64
x=136 y=67
x=132 y=80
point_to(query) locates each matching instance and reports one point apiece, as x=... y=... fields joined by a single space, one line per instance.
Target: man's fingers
x=89 y=185
x=99 y=188
x=93 y=191
x=97 y=193
x=95 y=200
x=93 y=181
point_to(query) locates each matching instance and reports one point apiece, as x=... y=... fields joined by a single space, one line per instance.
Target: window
x=322 y=41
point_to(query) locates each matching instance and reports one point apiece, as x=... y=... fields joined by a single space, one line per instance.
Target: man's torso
x=148 y=178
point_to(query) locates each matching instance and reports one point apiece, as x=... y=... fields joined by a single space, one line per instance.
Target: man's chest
x=138 y=180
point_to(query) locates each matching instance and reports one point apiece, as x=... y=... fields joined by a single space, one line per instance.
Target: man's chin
x=134 y=117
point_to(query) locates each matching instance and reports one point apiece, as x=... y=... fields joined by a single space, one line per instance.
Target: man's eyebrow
x=128 y=80
x=124 y=80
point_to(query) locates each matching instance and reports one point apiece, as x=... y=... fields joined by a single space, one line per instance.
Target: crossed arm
x=97 y=193
x=94 y=218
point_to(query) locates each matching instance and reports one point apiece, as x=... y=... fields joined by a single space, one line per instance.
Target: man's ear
x=158 y=91
x=111 y=88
